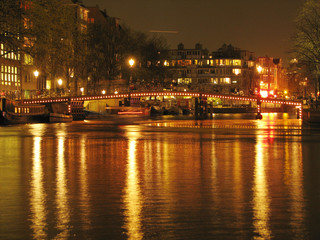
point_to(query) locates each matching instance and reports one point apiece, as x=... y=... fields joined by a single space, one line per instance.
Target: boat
x=14 y=112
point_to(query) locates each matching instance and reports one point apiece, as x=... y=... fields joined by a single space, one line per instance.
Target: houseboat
x=13 y=112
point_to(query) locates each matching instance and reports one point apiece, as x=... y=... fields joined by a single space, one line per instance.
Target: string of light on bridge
x=176 y=94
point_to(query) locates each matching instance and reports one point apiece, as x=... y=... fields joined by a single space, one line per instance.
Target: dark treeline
x=61 y=44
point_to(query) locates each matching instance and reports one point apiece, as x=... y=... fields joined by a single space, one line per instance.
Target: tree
x=104 y=49
x=306 y=40
x=149 y=53
x=13 y=25
x=57 y=43
x=227 y=51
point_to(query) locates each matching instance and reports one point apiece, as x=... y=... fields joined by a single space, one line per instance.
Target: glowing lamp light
x=36 y=73
x=115 y=92
x=103 y=92
x=131 y=62
x=82 y=89
x=60 y=82
x=264 y=93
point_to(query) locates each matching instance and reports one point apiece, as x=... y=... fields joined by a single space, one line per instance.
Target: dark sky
x=261 y=26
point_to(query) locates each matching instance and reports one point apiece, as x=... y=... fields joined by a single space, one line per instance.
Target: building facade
x=196 y=69
x=17 y=78
x=271 y=75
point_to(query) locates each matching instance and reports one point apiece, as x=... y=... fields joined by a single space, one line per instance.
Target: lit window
x=236 y=71
x=227 y=80
x=236 y=62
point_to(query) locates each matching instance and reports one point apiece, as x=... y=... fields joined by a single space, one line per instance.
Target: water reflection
x=295 y=180
x=132 y=197
x=37 y=193
x=261 y=198
x=84 y=193
x=62 y=205
x=183 y=181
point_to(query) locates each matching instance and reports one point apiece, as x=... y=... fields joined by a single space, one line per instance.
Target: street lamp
x=259 y=116
x=259 y=69
x=60 y=84
x=131 y=64
x=36 y=75
x=103 y=92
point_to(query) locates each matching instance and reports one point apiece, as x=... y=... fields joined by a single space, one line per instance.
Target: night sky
x=261 y=26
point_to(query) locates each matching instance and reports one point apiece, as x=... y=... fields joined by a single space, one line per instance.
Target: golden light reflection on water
x=37 y=193
x=132 y=197
x=238 y=179
x=62 y=205
x=84 y=193
x=295 y=176
x=261 y=201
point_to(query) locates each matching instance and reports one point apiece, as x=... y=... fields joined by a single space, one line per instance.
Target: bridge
x=76 y=103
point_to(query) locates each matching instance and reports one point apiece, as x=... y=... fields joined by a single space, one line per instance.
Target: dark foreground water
x=229 y=178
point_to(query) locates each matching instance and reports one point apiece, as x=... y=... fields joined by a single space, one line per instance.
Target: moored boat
x=13 y=112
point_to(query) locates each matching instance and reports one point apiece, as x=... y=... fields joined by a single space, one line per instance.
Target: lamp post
x=60 y=82
x=36 y=75
x=259 y=116
x=131 y=64
x=259 y=69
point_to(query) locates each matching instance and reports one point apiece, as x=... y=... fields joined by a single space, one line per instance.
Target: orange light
x=264 y=93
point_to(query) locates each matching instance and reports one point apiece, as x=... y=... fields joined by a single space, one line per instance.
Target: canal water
x=232 y=177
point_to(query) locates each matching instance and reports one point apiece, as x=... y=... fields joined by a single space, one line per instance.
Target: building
x=223 y=71
x=270 y=74
x=17 y=77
